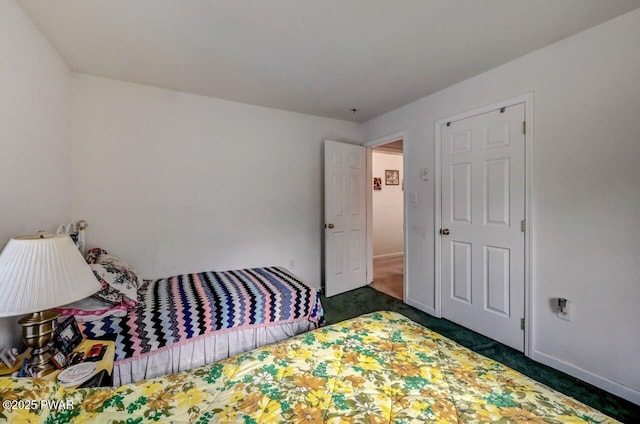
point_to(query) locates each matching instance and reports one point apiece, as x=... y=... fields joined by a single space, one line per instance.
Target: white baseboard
x=604 y=383
x=388 y=256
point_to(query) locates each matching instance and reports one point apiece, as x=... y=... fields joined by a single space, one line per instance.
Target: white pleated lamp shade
x=39 y=272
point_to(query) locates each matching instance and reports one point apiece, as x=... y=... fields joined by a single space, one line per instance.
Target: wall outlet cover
x=564 y=315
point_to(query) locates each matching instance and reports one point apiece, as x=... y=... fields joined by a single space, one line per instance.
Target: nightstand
x=5 y=371
x=104 y=367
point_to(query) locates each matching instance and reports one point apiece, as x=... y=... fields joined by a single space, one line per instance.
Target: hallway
x=388 y=276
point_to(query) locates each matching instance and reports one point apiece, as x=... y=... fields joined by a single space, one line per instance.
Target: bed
x=177 y=323
x=377 y=368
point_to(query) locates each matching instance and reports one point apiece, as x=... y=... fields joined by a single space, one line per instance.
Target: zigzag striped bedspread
x=185 y=307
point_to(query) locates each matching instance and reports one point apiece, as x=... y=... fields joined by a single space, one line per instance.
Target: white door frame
x=369 y=145
x=527 y=99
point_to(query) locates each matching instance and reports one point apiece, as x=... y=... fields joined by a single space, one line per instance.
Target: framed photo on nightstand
x=68 y=336
x=8 y=358
x=59 y=360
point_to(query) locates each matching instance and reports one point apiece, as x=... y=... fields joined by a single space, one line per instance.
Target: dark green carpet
x=366 y=299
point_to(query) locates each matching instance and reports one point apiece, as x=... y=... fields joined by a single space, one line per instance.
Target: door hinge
x=524 y=127
x=522 y=323
x=523 y=225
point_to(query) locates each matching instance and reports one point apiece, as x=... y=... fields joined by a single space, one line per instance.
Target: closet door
x=482 y=240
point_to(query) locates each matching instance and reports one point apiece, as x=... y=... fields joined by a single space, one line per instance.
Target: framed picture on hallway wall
x=377 y=183
x=392 y=177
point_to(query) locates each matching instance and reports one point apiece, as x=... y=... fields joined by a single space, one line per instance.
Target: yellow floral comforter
x=378 y=368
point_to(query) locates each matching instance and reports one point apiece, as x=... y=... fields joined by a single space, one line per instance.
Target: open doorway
x=388 y=218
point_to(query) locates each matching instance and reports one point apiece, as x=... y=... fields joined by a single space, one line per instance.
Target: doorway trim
x=369 y=145
x=527 y=99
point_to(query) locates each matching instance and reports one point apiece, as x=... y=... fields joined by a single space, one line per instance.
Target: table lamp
x=39 y=272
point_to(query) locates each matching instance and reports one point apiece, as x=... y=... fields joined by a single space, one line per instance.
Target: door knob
x=330 y=226
x=444 y=231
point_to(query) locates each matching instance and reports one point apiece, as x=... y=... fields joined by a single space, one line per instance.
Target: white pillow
x=119 y=286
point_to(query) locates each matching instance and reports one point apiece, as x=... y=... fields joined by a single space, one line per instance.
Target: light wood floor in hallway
x=388 y=276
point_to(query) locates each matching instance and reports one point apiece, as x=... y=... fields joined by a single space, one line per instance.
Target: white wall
x=586 y=195
x=387 y=207
x=175 y=182
x=35 y=176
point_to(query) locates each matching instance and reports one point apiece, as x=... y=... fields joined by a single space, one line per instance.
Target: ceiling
x=322 y=57
x=394 y=146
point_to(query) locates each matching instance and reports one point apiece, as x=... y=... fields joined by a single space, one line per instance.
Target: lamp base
x=37 y=330
x=40 y=362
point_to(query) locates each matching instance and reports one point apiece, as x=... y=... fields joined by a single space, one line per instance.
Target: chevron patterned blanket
x=184 y=307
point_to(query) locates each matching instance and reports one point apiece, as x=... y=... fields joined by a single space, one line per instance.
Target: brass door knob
x=330 y=226
x=444 y=231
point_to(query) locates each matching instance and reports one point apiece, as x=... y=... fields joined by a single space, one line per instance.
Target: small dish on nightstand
x=77 y=374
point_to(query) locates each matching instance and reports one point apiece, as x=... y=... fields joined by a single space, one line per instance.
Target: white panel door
x=345 y=217
x=483 y=204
